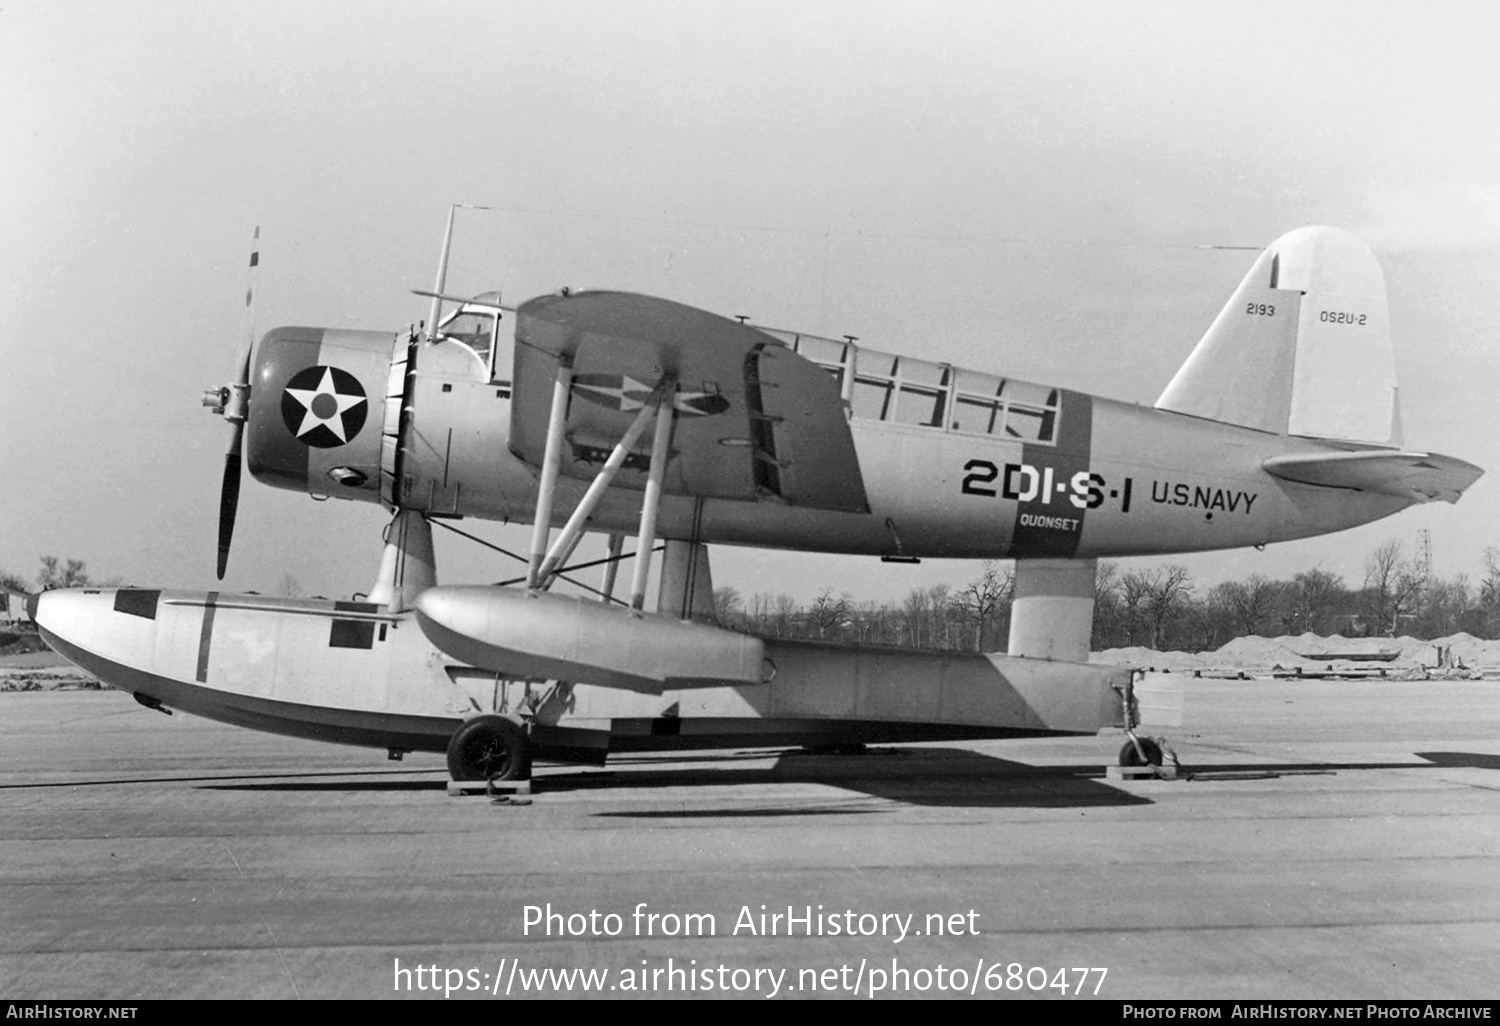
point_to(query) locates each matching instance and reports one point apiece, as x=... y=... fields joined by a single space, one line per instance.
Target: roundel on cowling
x=324 y=407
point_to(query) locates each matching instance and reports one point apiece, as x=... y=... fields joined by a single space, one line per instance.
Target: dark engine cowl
x=317 y=410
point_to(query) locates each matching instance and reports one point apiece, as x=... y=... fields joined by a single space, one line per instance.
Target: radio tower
x=1424 y=552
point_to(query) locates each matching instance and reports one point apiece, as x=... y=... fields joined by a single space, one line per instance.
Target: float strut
x=551 y=464
x=666 y=413
x=572 y=532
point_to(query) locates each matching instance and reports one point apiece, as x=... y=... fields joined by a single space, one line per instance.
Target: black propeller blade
x=229 y=498
x=229 y=494
x=233 y=402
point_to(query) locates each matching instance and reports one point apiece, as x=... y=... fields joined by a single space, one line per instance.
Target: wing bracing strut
x=546 y=559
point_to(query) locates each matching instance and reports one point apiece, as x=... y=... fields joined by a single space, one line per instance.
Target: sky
x=1017 y=187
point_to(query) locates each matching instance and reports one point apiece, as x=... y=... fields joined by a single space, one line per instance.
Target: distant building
x=13 y=608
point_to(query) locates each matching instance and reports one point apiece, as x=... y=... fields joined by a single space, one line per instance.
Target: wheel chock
x=492 y=788
x=1163 y=772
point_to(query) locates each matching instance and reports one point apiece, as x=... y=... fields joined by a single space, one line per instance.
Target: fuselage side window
x=872 y=397
x=921 y=406
x=1029 y=425
x=973 y=415
x=1027 y=394
x=920 y=372
x=823 y=351
x=903 y=390
x=1007 y=408
x=874 y=384
x=870 y=364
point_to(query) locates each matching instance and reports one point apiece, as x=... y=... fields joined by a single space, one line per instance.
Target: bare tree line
x=1158 y=607
x=55 y=573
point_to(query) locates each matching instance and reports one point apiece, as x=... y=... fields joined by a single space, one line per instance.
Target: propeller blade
x=235 y=408
x=229 y=498
x=229 y=493
x=250 y=288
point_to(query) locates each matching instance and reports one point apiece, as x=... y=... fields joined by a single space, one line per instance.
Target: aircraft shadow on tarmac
x=935 y=777
x=927 y=777
x=1462 y=760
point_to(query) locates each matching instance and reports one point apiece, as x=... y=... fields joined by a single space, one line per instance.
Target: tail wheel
x=1149 y=747
x=489 y=747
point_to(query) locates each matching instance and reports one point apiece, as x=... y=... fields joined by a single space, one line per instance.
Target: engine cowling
x=317 y=410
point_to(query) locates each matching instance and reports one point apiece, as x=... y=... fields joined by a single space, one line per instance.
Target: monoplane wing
x=1425 y=477
x=755 y=421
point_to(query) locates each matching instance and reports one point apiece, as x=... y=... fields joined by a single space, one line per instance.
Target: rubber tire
x=1130 y=757
x=489 y=747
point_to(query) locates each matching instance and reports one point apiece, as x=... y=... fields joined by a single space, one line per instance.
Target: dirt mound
x=1315 y=652
x=1146 y=659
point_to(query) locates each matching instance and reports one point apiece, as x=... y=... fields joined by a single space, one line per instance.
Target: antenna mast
x=442 y=271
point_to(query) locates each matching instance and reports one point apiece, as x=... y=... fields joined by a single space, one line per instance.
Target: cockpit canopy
x=477 y=325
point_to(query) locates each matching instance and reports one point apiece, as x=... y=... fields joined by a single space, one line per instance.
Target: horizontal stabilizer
x=1418 y=476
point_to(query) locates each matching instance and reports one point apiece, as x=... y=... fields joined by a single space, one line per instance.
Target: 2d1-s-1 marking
x=1026 y=483
x=1085 y=489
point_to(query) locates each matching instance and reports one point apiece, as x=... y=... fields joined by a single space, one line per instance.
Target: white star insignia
x=324 y=405
x=630 y=395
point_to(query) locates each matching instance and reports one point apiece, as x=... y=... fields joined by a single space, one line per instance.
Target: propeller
x=234 y=411
x=232 y=402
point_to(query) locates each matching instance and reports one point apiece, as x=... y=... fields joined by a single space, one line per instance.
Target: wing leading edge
x=755 y=421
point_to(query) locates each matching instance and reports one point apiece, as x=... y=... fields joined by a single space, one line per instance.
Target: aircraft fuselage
x=1115 y=479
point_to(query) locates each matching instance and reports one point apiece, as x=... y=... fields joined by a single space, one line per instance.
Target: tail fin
x=1302 y=348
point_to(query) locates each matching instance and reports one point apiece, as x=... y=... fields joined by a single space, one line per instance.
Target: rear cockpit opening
x=920 y=393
